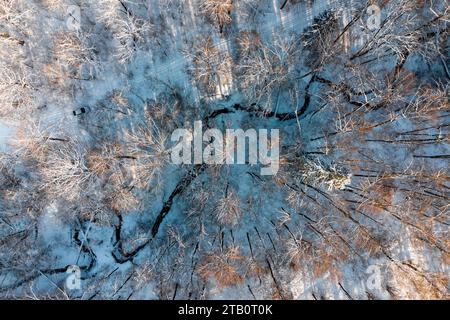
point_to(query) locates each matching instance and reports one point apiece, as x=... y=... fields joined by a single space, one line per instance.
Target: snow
x=6 y=133
x=261 y=233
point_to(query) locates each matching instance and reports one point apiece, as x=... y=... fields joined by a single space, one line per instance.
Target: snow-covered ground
x=139 y=227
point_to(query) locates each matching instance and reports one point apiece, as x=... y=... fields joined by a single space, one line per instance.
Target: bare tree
x=16 y=91
x=148 y=148
x=222 y=268
x=65 y=170
x=218 y=11
x=72 y=53
x=318 y=39
x=130 y=30
x=402 y=34
x=211 y=67
x=267 y=69
x=228 y=208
